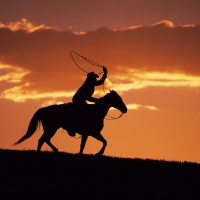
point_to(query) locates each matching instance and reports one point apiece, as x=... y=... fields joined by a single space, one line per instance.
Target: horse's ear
x=110 y=90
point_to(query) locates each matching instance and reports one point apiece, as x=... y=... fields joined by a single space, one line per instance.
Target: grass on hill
x=46 y=175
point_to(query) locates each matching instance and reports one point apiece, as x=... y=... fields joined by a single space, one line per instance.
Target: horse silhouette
x=86 y=120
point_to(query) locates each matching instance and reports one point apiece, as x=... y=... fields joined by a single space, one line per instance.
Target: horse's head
x=116 y=101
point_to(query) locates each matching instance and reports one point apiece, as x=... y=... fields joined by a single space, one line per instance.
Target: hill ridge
x=63 y=175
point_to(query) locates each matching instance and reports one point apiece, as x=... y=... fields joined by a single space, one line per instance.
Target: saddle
x=83 y=110
x=80 y=116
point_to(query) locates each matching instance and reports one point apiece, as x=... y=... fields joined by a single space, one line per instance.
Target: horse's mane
x=110 y=93
x=103 y=98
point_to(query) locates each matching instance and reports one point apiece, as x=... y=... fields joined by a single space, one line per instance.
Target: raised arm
x=103 y=78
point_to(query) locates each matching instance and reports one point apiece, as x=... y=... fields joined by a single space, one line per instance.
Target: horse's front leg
x=100 y=138
x=83 y=142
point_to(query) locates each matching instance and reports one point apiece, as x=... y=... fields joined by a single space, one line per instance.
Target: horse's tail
x=33 y=125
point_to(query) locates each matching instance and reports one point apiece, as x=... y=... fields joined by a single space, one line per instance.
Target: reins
x=112 y=118
x=97 y=65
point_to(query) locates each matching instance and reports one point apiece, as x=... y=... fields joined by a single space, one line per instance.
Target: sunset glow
x=24 y=24
x=137 y=106
x=152 y=59
x=139 y=80
x=11 y=74
x=21 y=94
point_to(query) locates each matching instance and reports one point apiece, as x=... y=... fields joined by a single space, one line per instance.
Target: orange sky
x=155 y=68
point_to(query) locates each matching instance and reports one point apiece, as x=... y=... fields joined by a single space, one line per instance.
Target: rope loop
x=87 y=60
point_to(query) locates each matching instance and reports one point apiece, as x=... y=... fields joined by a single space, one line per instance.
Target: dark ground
x=30 y=175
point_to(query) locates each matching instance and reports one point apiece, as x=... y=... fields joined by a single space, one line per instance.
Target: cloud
x=12 y=74
x=35 y=59
x=24 y=24
x=141 y=79
x=138 y=106
x=164 y=23
x=22 y=94
x=134 y=106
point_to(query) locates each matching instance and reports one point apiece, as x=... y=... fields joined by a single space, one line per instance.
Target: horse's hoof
x=55 y=150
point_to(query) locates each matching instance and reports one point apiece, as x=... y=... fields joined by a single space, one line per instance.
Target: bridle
x=112 y=118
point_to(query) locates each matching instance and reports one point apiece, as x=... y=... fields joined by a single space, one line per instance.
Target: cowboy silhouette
x=85 y=92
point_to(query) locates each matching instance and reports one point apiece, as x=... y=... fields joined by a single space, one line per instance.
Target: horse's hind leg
x=46 y=137
x=83 y=141
x=52 y=146
x=40 y=143
x=100 y=138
